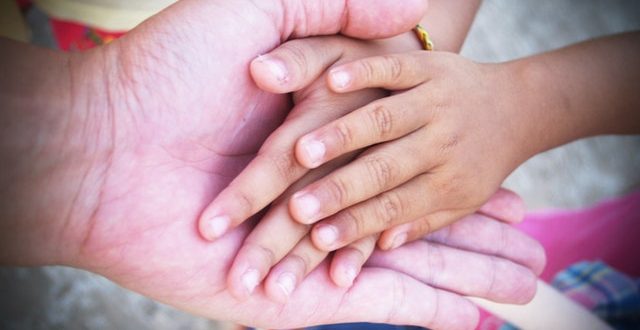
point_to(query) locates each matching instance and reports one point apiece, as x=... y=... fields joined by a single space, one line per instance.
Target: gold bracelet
x=424 y=37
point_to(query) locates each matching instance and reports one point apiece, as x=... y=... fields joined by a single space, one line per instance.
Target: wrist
x=49 y=153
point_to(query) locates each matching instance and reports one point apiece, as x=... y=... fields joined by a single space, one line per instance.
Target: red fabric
x=76 y=37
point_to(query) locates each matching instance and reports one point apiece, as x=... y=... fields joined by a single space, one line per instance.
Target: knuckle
x=344 y=134
x=356 y=222
x=394 y=68
x=368 y=70
x=296 y=53
x=284 y=164
x=302 y=262
x=390 y=208
x=338 y=190
x=381 y=170
x=382 y=120
x=265 y=252
x=245 y=201
x=422 y=228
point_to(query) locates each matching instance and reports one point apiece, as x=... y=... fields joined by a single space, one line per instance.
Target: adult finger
x=477 y=233
x=379 y=121
x=463 y=272
x=379 y=296
x=365 y=19
x=505 y=205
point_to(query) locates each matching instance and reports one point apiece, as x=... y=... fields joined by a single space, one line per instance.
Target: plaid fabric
x=610 y=294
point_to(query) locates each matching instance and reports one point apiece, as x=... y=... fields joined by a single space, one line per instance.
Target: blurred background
x=572 y=176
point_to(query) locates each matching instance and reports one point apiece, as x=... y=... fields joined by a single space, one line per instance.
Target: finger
x=295 y=64
x=382 y=120
x=366 y=19
x=293 y=268
x=381 y=212
x=416 y=229
x=393 y=72
x=260 y=251
x=348 y=261
x=476 y=233
x=377 y=170
x=272 y=171
x=380 y=296
x=463 y=272
x=505 y=205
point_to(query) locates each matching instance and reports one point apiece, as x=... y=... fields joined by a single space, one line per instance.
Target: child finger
x=295 y=64
x=285 y=276
x=348 y=261
x=393 y=72
x=400 y=205
x=383 y=120
x=259 y=251
x=379 y=169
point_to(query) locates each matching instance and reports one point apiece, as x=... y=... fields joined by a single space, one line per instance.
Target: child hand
x=439 y=148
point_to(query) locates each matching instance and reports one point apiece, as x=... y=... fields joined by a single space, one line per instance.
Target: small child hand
x=438 y=149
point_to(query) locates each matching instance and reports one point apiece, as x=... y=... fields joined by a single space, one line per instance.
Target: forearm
x=45 y=157
x=447 y=22
x=580 y=91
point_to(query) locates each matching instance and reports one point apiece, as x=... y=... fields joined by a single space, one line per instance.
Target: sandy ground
x=572 y=176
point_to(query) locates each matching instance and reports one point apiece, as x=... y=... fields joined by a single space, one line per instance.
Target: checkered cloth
x=610 y=294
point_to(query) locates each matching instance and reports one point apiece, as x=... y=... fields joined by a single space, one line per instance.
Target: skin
x=301 y=62
x=525 y=107
x=109 y=157
x=543 y=102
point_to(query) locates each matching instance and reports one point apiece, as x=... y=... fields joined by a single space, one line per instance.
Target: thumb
x=364 y=19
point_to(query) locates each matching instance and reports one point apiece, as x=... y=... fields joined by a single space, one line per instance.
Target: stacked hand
x=181 y=117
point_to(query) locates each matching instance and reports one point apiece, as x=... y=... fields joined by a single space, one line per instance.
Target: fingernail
x=350 y=274
x=287 y=282
x=341 y=79
x=327 y=234
x=399 y=240
x=276 y=67
x=315 y=150
x=217 y=226
x=307 y=205
x=250 y=279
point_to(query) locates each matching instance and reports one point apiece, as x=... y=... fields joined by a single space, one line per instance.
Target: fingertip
x=243 y=285
x=304 y=207
x=340 y=80
x=270 y=74
x=279 y=286
x=310 y=152
x=344 y=270
x=212 y=227
x=325 y=237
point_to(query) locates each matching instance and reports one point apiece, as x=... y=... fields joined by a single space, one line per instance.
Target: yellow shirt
x=110 y=15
